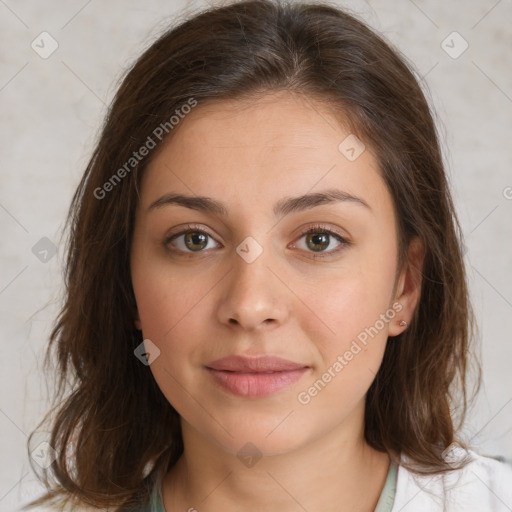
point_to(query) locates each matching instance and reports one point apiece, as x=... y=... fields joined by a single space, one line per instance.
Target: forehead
x=250 y=150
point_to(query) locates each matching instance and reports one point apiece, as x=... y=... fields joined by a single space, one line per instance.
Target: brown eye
x=196 y=241
x=189 y=241
x=318 y=239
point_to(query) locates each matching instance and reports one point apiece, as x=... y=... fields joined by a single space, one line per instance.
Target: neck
x=330 y=473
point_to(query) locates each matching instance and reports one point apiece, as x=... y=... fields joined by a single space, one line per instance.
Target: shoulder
x=483 y=485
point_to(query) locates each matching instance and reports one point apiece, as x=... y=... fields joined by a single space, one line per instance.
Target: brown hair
x=114 y=432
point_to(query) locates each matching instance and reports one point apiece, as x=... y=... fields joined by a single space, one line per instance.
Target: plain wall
x=52 y=109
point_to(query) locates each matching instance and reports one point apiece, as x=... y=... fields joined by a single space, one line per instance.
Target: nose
x=255 y=296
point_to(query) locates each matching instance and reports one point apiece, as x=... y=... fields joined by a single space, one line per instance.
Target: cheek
x=174 y=306
x=164 y=295
x=348 y=358
x=348 y=321
x=166 y=307
x=357 y=319
x=344 y=303
x=168 y=319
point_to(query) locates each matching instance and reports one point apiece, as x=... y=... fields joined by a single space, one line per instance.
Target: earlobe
x=408 y=290
x=138 y=324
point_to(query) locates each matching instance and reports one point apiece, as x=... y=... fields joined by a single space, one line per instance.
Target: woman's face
x=247 y=281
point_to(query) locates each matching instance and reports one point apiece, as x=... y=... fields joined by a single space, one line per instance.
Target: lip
x=254 y=364
x=256 y=376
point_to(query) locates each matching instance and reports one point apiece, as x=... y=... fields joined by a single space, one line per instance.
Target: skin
x=201 y=306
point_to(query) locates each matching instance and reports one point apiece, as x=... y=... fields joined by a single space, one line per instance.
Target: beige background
x=51 y=111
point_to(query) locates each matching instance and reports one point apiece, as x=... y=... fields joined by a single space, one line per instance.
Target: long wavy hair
x=113 y=431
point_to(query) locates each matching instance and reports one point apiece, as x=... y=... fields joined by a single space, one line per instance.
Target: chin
x=265 y=436
x=256 y=444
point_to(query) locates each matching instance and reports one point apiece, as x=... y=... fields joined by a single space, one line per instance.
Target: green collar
x=387 y=496
x=385 y=503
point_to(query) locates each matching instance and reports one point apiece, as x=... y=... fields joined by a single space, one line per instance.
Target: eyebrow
x=283 y=207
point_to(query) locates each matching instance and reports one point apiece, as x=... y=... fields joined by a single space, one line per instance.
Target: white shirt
x=483 y=485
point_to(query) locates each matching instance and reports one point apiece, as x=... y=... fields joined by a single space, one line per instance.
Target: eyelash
x=192 y=228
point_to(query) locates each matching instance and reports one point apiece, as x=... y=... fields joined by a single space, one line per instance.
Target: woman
x=266 y=299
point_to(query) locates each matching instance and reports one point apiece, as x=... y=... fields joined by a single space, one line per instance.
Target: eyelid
x=322 y=228
x=187 y=228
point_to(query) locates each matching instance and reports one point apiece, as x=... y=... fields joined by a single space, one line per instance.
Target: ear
x=138 y=324
x=408 y=289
